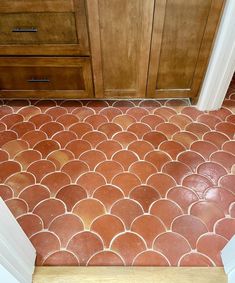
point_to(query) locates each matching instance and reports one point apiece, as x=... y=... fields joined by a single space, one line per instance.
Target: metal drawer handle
x=32 y=29
x=33 y=80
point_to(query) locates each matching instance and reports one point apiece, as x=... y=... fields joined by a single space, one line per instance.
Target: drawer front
x=38 y=28
x=43 y=28
x=19 y=6
x=31 y=77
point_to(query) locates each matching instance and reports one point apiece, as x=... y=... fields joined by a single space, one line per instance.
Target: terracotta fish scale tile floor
x=120 y=182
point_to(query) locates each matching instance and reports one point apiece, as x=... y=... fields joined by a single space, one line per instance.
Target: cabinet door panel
x=120 y=35
x=182 y=39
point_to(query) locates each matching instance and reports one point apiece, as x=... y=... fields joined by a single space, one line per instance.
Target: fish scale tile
x=141 y=183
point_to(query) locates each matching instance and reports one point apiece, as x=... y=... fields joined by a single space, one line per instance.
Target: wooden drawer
x=43 y=27
x=38 y=28
x=46 y=77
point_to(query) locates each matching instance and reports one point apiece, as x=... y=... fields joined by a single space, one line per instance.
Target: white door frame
x=228 y=259
x=222 y=63
x=17 y=254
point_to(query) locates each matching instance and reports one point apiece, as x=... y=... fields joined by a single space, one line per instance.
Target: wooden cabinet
x=49 y=43
x=145 y=48
x=183 y=33
x=120 y=37
x=127 y=48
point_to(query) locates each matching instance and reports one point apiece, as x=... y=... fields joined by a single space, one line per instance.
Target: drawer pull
x=32 y=29
x=39 y=80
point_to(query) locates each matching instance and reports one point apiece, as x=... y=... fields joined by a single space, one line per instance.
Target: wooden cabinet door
x=183 y=34
x=120 y=37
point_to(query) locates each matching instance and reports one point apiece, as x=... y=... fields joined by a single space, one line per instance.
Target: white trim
x=228 y=259
x=17 y=254
x=222 y=63
x=6 y=276
x=231 y=277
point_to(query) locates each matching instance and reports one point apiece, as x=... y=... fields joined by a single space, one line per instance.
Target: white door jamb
x=222 y=63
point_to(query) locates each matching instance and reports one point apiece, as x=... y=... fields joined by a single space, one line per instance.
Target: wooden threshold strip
x=129 y=275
